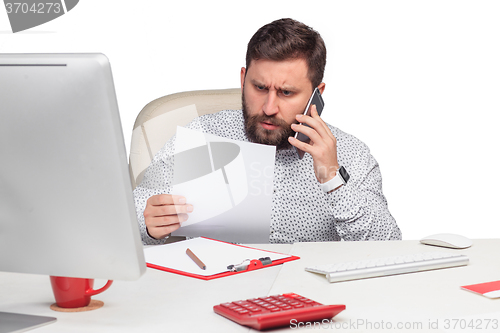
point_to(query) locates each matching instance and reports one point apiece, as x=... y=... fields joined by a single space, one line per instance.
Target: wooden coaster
x=94 y=305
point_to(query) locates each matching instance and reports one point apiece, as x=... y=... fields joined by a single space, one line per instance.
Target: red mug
x=74 y=292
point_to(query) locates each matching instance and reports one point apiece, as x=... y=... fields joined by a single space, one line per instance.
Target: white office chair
x=158 y=120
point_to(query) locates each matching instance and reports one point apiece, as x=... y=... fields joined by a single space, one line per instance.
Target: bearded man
x=334 y=192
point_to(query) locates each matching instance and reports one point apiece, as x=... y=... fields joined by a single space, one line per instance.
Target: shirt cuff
x=148 y=240
x=345 y=203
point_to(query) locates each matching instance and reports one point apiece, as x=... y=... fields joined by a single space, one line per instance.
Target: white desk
x=417 y=300
x=161 y=301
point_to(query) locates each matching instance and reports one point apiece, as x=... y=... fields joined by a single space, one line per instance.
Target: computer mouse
x=453 y=241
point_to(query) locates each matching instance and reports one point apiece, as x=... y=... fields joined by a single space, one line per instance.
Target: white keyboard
x=389 y=265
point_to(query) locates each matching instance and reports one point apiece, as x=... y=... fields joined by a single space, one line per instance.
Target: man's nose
x=271 y=104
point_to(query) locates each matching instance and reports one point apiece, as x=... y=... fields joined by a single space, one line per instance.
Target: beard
x=257 y=134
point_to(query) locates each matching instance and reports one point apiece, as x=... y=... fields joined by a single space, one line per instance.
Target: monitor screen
x=66 y=206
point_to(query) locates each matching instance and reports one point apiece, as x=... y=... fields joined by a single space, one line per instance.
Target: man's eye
x=287 y=92
x=260 y=87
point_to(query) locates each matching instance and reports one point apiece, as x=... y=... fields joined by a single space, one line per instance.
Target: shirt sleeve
x=360 y=208
x=156 y=180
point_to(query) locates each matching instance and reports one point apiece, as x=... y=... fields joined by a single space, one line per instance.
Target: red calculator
x=276 y=311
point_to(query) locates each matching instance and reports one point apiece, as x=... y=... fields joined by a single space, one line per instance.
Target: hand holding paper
x=164 y=214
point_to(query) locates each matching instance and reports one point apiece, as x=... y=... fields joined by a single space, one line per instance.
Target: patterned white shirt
x=301 y=211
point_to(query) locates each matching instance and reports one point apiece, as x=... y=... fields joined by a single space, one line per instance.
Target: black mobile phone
x=317 y=100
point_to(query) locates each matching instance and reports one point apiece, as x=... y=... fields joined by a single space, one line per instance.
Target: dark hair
x=287 y=39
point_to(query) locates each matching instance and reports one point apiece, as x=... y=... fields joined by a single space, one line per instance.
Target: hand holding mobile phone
x=317 y=100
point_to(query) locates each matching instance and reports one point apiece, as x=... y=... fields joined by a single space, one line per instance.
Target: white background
x=418 y=81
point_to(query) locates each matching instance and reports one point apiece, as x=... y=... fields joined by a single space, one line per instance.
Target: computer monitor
x=66 y=206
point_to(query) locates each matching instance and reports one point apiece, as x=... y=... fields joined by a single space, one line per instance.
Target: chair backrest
x=158 y=120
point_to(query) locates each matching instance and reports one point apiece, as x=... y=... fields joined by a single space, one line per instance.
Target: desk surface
x=161 y=301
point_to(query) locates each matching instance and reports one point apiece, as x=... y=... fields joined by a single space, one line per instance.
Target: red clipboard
x=255 y=263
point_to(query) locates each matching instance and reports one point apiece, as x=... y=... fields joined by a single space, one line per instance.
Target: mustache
x=271 y=120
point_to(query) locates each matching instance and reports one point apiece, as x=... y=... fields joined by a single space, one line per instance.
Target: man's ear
x=321 y=87
x=242 y=77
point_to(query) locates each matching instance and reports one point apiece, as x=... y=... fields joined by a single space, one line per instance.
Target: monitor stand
x=16 y=322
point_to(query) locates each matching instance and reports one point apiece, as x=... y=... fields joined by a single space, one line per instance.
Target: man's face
x=274 y=92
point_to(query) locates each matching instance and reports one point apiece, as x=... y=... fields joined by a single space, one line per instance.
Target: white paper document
x=228 y=182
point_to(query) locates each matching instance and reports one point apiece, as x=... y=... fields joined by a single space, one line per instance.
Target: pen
x=195 y=259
